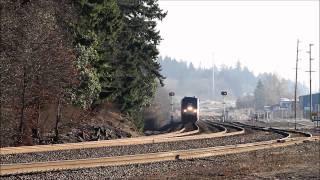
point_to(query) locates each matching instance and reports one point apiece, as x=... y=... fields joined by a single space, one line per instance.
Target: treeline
x=242 y=85
x=186 y=79
x=79 y=52
x=268 y=91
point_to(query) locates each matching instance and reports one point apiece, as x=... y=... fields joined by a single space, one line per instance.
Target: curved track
x=170 y=137
x=95 y=144
x=151 y=157
x=206 y=127
x=289 y=138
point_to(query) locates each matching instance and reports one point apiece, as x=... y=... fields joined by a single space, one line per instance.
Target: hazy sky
x=260 y=34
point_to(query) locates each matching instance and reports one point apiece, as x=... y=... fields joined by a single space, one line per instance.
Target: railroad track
x=7 y=169
x=206 y=126
x=229 y=127
x=95 y=144
x=293 y=132
x=170 y=137
x=152 y=157
x=131 y=149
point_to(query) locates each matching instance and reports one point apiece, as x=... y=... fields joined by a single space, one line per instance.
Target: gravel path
x=249 y=136
x=275 y=163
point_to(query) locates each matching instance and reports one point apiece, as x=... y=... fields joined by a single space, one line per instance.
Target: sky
x=262 y=35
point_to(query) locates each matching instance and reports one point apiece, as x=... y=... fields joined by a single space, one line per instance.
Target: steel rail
x=96 y=144
x=307 y=134
x=217 y=126
x=8 y=169
x=93 y=144
x=224 y=125
x=119 y=142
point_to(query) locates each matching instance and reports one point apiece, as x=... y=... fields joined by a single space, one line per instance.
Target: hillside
x=187 y=80
x=76 y=67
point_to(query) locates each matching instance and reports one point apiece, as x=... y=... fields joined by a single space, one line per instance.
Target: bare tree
x=36 y=64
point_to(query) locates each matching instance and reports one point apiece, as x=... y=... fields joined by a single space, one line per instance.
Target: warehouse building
x=305 y=104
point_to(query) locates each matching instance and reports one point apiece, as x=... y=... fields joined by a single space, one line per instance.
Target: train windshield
x=187 y=101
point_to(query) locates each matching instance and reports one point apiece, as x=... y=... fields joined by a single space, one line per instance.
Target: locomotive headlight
x=195 y=110
x=189 y=108
x=184 y=110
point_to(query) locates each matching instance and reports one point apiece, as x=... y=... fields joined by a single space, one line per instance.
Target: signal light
x=224 y=93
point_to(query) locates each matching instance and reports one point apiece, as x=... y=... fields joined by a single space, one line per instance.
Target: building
x=305 y=104
x=286 y=104
x=282 y=110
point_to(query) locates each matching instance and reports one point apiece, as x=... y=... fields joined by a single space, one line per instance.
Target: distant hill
x=186 y=80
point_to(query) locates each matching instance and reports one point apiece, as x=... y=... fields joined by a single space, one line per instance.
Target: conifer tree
x=116 y=44
x=137 y=64
x=95 y=36
x=259 y=95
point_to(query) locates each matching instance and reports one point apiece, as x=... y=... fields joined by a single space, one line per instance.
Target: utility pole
x=213 y=76
x=310 y=71
x=224 y=94
x=319 y=95
x=295 y=87
x=171 y=94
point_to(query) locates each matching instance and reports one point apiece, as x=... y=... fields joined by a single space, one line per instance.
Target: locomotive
x=189 y=110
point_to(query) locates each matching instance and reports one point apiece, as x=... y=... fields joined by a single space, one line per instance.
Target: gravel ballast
x=292 y=162
x=248 y=137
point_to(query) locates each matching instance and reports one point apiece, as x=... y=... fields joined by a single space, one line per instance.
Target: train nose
x=189 y=108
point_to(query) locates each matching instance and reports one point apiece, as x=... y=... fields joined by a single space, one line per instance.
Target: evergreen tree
x=117 y=53
x=95 y=36
x=136 y=62
x=259 y=95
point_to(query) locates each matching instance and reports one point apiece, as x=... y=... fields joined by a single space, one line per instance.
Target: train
x=190 y=109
